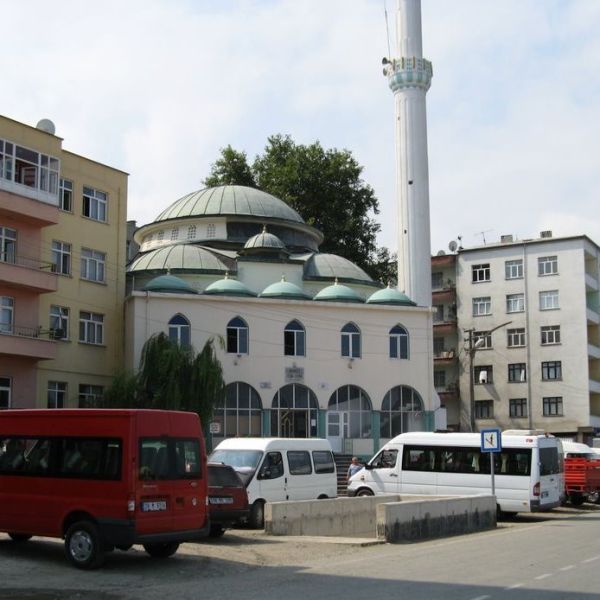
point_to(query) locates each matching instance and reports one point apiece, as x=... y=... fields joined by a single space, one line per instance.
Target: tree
x=324 y=186
x=171 y=377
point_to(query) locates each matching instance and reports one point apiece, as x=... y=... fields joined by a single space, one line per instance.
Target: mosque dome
x=181 y=257
x=338 y=293
x=390 y=296
x=169 y=284
x=264 y=240
x=285 y=290
x=332 y=266
x=228 y=287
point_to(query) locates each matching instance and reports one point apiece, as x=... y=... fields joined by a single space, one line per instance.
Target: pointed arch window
x=399 y=342
x=294 y=339
x=350 y=341
x=237 y=336
x=401 y=411
x=180 y=330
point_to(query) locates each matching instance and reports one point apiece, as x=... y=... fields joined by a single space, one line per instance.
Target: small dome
x=180 y=256
x=390 y=295
x=264 y=241
x=338 y=293
x=169 y=284
x=228 y=287
x=283 y=289
x=332 y=266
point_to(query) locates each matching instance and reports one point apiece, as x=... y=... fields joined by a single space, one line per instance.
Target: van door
x=384 y=470
x=271 y=478
x=551 y=476
x=301 y=484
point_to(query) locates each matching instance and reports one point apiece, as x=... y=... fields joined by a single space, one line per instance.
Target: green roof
x=392 y=296
x=332 y=266
x=338 y=293
x=283 y=289
x=180 y=256
x=169 y=284
x=228 y=287
x=264 y=241
x=230 y=200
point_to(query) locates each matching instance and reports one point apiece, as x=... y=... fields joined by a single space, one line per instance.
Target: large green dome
x=331 y=266
x=183 y=257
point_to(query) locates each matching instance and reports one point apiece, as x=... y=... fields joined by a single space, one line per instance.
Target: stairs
x=342 y=462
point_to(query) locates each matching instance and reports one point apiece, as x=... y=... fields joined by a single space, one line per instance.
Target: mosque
x=312 y=346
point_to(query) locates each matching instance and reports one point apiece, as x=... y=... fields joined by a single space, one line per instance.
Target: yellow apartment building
x=62 y=270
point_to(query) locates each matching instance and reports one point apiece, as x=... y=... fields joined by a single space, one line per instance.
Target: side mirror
x=368 y=466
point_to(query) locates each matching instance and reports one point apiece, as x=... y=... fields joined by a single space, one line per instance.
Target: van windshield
x=243 y=461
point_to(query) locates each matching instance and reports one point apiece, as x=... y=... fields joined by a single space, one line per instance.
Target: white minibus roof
x=266 y=444
x=467 y=439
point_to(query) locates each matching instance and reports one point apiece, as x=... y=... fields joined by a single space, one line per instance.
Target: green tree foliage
x=324 y=186
x=171 y=377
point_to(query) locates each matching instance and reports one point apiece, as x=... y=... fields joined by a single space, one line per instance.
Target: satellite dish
x=46 y=125
x=441 y=253
x=452 y=246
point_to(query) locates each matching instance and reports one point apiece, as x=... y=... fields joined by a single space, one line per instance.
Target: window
x=94 y=204
x=240 y=413
x=401 y=411
x=180 y=330
x=515 y=337
x=515 y=303
x=272 y=466
x=438 y=313
x=28 y=167
x=59 y=322
x=484 y=409
x=299 y=462
x=547 y=265
x=513 y=269
x=350 y=341
x=61 y=257
x=482 y=306
x=8 y=245
x=439 y=379
x=483 y=374
x=549 y=300
x=517 y=373
x=91 y=328
x=354 y=401
x=7 y=307
x=517 y=407
x=191 y=234
x=386 y=459
x=439 y=345
x=57 y=394
x=210 y=230
x=90 y=395
x=169 y=458
x=65 y=195
x=88 y=458
x=550 y=334
x=175 y=233
x=437 y=280
x=323 y=461
x=480 y=273
x=482 y=340
x=294 y=411
x=294 y=339
x=237 y=336
x=551 y=370
x=553 y=406
x=160 y=236
x=4 y=392
x=93 y=265
x=398 y=342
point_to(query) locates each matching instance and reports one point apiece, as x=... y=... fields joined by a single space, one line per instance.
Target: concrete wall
x=392 y=518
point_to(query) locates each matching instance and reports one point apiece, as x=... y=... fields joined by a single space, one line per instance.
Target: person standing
x=354 y=467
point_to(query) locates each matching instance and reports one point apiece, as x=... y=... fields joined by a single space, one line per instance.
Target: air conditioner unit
x=505 y=239
x=546 y=234
x=483 y=377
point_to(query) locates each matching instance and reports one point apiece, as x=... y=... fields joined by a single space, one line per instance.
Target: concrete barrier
x=393 y=518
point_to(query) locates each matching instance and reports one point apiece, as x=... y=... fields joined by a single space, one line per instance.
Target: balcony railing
x=25 y=261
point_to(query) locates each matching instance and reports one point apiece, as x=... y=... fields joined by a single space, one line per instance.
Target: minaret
x=409 y=77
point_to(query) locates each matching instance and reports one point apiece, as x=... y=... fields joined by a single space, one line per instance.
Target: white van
x=277 y=469
x=528 y=470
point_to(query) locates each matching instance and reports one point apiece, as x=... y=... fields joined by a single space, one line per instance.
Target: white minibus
x=528 y=469
x=278 y=469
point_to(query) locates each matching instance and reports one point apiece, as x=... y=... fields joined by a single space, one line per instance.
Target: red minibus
x=103 y=479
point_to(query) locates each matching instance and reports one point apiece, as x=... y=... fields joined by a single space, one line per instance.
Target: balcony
x=28 y=273
x=26 y=342
x=444 y=356
x=27 y=210
x=443 y=295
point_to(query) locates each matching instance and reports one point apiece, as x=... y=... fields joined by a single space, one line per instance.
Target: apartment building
x=62 y=270
x=528 y=336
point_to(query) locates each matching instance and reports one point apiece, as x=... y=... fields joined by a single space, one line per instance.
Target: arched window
x=401 y=411
x=240 y=413
x=398 y=342
x=352 y=400
x=350 y=341
x=295 y=412
x=294 y=338
x=237 y=336
x=179 y=330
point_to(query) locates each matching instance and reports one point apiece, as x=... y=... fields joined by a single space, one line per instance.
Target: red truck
x=582 y=473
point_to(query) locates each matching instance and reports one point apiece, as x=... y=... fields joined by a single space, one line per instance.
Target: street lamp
x=472 y=349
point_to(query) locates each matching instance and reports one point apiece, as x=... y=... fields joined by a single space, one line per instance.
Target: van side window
x=187 y=458
x=386 y=459
x=421 y=459
x=272 y=466
x=323 y=461
x=299 y=461
x=89 y=458
x=12 y=455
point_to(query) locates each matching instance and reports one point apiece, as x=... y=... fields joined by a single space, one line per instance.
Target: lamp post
x=472 y=349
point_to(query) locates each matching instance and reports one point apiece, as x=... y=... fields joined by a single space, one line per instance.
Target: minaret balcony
x=408 y=73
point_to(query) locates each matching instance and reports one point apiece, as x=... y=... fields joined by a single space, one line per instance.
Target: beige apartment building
x=62 y=270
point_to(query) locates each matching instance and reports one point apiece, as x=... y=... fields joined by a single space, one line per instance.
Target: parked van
x=102 y=479
x=276 y=469
x=528 y=470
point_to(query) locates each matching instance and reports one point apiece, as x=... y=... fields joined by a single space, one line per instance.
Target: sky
x=157 y=87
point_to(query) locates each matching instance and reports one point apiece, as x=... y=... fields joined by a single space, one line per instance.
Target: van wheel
x=576 y=499
x=83 y=546
x=216 y=531
x=323 y=497
x=161 y=550
x=19 y=537
x=364 y=492
x=257 y=515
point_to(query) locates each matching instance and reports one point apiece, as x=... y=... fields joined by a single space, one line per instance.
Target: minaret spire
x=409 y=76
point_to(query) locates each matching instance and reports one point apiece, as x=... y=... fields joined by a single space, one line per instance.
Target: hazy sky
x=157 y=87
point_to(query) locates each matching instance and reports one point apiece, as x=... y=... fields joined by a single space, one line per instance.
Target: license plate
x=545 y=494
x=154 y=506
x=217 y=500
